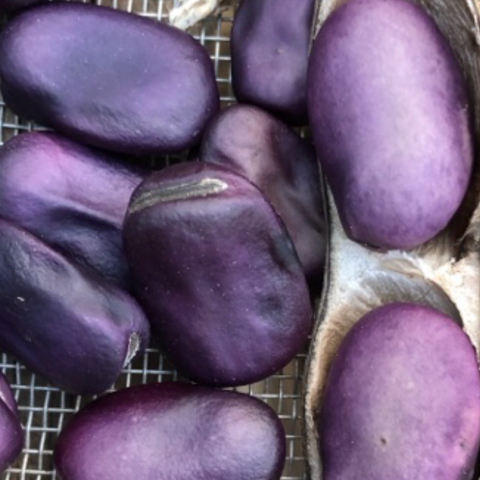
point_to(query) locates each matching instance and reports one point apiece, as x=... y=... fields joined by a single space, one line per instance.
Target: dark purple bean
x=108 y=78
x=270 y=41
x=217 y=274
x=172 y=431
x=284 y=167
x=73 y=197
x=60 y=321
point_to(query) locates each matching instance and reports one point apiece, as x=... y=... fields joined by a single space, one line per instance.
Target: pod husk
x=187 y=13
x=444 y=273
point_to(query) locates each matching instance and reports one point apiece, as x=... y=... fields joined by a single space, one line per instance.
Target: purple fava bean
x=11 y=433
x=217 y=274
x=390 y=118
x=172 y=431
x=62 y=322
x=402 y=399
x=73 y=197
x=270 y=42
x=108 y=78
x=283 y=166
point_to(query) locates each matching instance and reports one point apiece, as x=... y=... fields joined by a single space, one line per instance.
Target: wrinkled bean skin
x=217 y=274
x=172 y=430
x=283 y=166
x=73 y=197
x=402 y=399
x=108 y=78
x=390 y=118
x=270 y=41
x=11 y=433
x=60 y=321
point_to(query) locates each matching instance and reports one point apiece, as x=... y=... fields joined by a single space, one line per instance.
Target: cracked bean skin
x=217 y=274
x=60 y=320
x=284 y=167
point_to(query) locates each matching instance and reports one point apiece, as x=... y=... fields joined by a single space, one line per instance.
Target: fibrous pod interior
x=444 y=273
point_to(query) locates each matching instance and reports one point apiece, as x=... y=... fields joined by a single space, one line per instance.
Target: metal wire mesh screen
x=45 y=410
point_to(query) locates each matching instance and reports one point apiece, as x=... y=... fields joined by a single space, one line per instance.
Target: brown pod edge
x=444 y=273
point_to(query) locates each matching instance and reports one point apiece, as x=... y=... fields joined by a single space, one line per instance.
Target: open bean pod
x=443 y=273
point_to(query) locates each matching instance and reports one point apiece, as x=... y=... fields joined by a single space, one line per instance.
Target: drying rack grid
x=45 y=410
